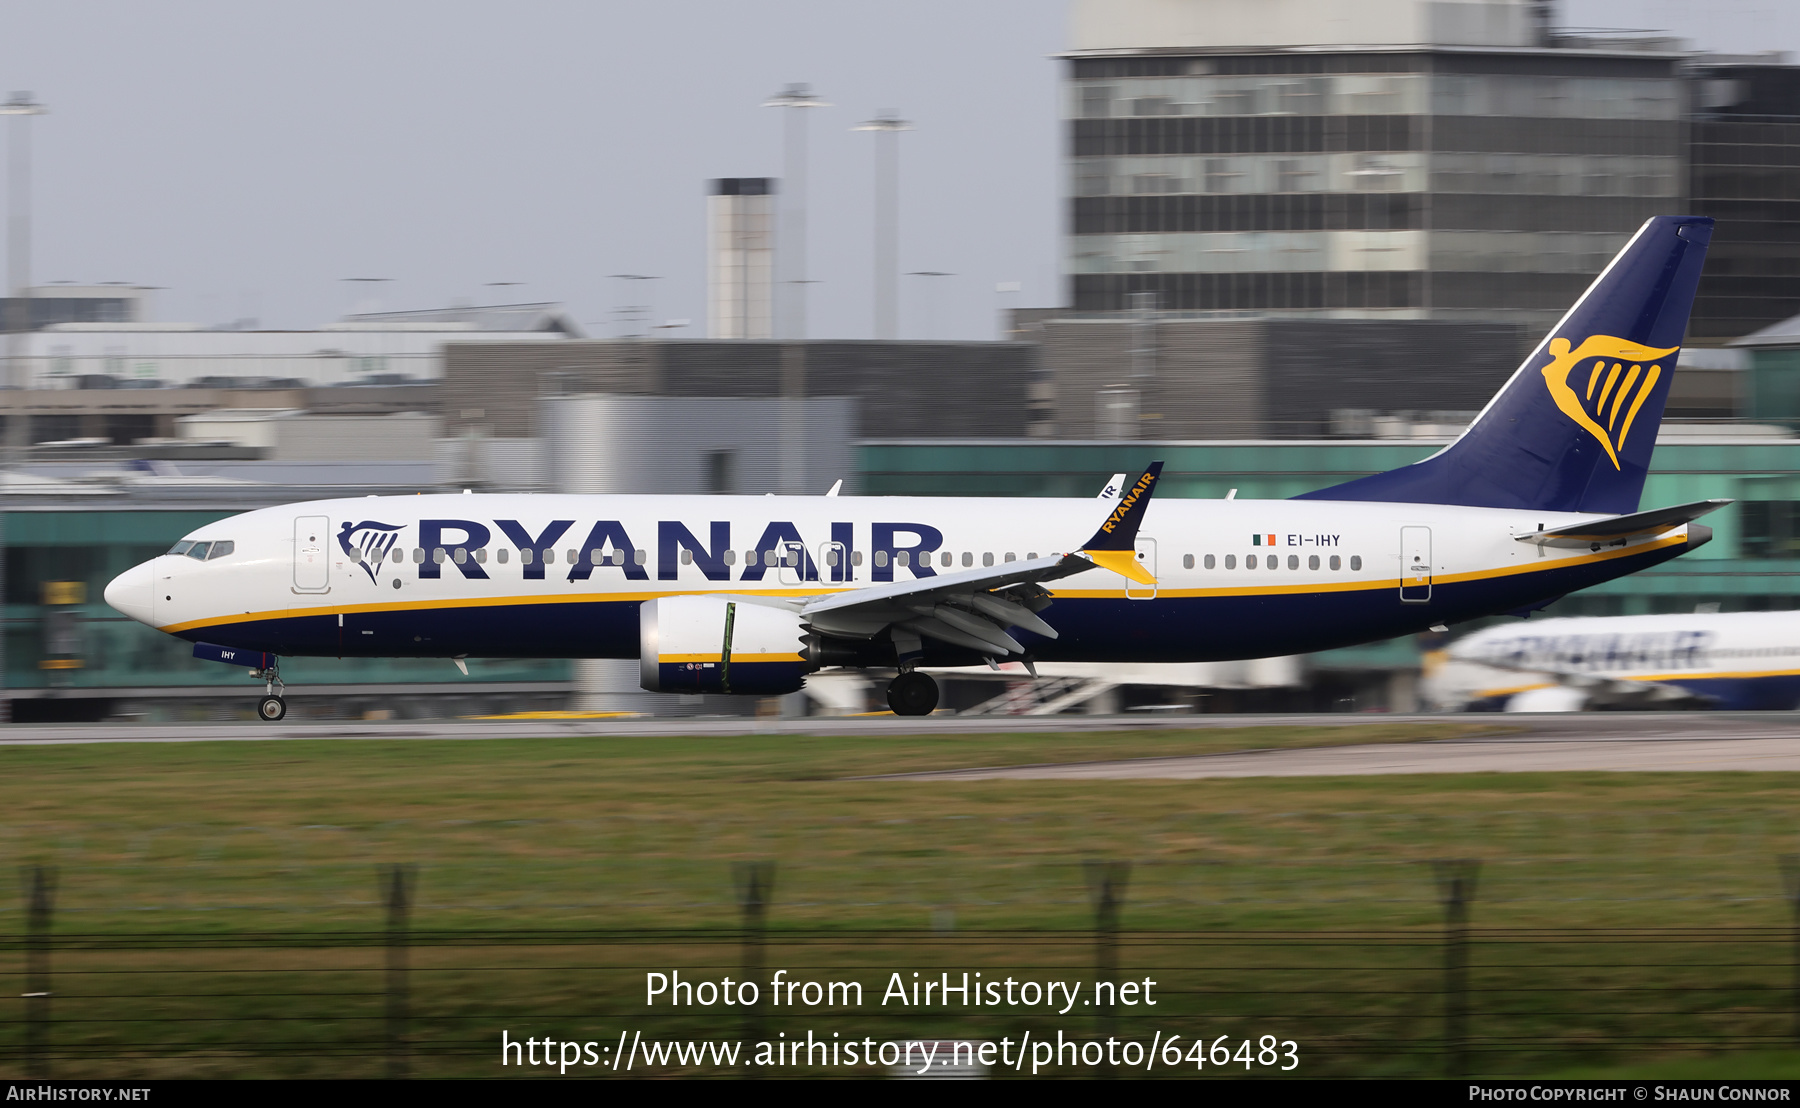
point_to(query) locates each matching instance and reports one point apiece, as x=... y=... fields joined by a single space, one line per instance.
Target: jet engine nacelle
x=714 y=644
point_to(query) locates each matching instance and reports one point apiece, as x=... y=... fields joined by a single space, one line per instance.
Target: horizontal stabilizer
x=1617 y=530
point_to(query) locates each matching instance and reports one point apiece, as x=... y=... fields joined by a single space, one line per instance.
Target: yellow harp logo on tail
x=1602 y=383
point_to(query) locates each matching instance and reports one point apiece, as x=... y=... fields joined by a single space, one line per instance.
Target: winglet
x=1114 y=545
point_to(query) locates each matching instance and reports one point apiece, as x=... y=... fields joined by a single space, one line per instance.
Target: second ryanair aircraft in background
x=1538 y=498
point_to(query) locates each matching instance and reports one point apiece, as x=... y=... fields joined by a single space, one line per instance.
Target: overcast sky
x=250 y=156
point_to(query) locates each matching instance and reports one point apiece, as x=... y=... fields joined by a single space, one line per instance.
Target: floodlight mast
x=790 y=255
x=887 y=127
x=21 y=107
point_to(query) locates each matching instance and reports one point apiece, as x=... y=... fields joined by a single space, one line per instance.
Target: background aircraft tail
x=1573 y=430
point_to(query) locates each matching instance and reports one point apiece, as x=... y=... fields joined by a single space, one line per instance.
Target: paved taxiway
x=1670 y=742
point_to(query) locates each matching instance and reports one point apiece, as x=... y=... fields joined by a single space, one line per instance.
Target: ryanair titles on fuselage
x=607 y=543
x=1603 y=652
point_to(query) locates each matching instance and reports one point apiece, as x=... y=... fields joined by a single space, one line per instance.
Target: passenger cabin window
x=418 y=555
x=1011 y=557
x=856 y=557
x=1231 y=561
x=1294 y=561
x=1355 y=562
x=945 y=559
x=500 y=555
x=1209 y=561
x=399 y=555
x=1337 y=562
x=1312 y=562
x=881 y=558
x=968 y=558
x=903 y=558
x=1249 y=561
x=987 y=559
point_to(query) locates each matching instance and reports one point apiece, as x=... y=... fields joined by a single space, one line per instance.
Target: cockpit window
x=203 y=551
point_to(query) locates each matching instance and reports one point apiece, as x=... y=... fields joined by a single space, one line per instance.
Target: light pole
x=790 y=253
x=630 y=313
x=930 y=312
x=18 y=273
x=18 y=258
x=1002 y=290
x=355 y=307
x=887 y=127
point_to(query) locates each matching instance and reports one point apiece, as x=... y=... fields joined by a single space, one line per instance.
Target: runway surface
x=1636 y=742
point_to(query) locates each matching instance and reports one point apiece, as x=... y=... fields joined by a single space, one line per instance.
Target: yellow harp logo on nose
x=1602 y=383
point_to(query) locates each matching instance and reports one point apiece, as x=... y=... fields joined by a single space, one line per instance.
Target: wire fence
x=396 y=999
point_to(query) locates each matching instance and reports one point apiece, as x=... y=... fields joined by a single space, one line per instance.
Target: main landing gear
x=913 y=694
x=272 y=706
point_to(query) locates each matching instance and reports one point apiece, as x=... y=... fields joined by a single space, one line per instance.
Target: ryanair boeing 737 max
x=737 y=594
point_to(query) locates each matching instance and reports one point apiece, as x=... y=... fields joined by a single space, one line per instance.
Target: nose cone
x=133 y=593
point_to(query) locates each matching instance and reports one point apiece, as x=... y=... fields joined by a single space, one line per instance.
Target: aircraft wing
x=975 y=608
x=1615 y=530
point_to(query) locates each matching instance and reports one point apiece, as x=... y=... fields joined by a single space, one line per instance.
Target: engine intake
x=714 y=644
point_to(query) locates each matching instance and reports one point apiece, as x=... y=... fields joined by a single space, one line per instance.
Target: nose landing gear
x=272 y=706
x=912 y=694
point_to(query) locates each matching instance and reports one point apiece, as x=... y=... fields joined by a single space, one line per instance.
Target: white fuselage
x=560 y=576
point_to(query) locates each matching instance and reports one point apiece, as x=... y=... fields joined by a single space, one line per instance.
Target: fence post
x=40 y=896
x=1790 y=880
x=1107 y=882
x=397 y=882
x=755 y=883
x=1456 y=888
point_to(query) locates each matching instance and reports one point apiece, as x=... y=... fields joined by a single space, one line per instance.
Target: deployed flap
x=1619 y=529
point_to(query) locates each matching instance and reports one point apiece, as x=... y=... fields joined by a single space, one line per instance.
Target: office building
x=1391 y=159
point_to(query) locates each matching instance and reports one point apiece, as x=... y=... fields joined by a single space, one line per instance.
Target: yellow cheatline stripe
x=1705 y=675
x=1485 y=693
x=713 y=659
x=485 y=602
x=1073 y=594
x=563 y=715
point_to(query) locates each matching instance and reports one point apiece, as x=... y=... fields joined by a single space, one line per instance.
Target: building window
x=1220 y=177
x=721 y=471
x=1096 y=101
x=1292 y=176
x=1770 y=529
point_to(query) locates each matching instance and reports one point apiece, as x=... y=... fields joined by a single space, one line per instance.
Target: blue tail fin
x=1573 y=429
